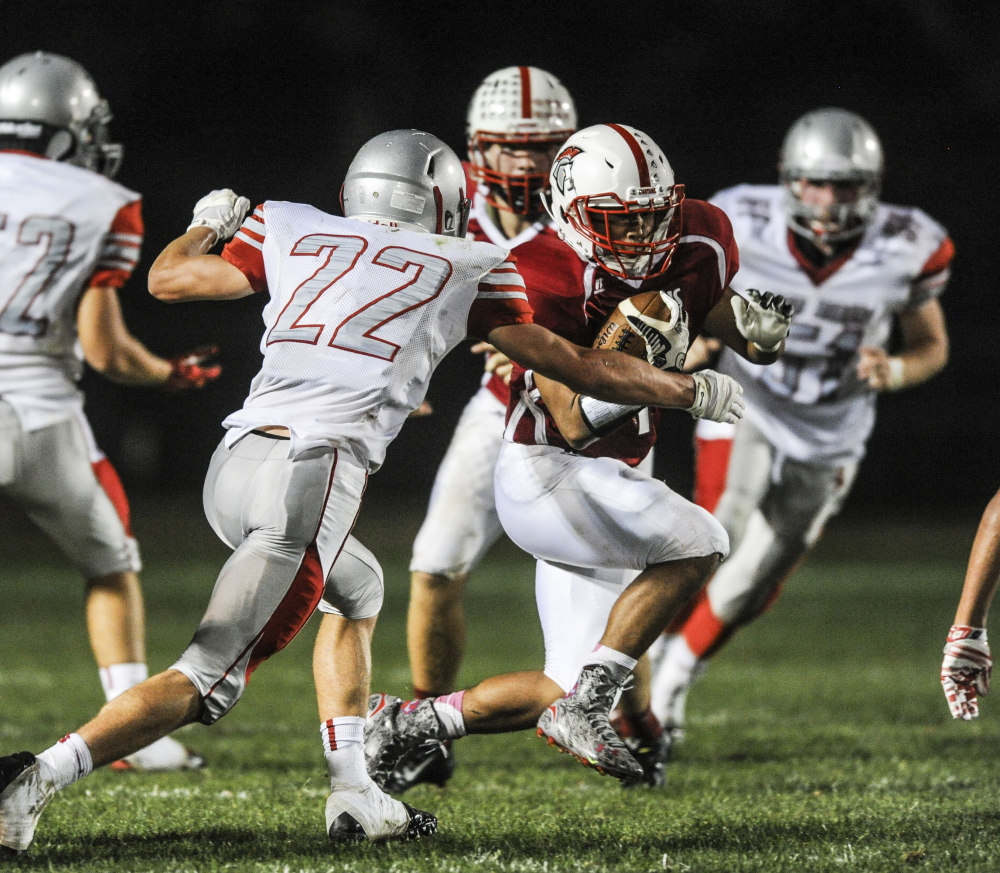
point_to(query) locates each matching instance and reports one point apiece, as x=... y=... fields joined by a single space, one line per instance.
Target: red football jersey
x=704 y=262
x=537 y=250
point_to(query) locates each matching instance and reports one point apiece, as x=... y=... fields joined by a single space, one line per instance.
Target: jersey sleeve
x=934 y=275
x=245 y=251
x=500 y=301
x=120 y=248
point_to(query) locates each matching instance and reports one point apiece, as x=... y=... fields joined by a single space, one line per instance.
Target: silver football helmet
x=49 y=104
x=518 y=107
x=831 y=145
x=615 y=201
x=408 y=179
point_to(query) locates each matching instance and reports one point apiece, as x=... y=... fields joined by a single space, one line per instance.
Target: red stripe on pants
x=300 y=601
x=107 y=478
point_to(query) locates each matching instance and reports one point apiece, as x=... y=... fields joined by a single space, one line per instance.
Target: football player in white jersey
x=361 y=311
x=516 y=121
x=69 y=239
x=852 y=267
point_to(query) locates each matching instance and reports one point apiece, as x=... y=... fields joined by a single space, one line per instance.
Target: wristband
x=897 y=370
x=602 y=417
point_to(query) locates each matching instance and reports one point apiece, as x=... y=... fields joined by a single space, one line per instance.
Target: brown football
x=619 y=335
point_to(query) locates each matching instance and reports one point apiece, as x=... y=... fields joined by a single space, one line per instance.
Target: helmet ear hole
x=60 y=145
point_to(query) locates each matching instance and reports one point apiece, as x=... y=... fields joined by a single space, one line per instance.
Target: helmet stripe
x=439 y=208
x=525 y=92
x=637 y=153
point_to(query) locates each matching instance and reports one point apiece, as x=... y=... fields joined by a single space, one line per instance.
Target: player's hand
x=222 y=211
x=763 y=319
x=422 y=411
x=496 y=362
x=191 y=371
x=965 y=670
x=879 y=370
x=717 y=397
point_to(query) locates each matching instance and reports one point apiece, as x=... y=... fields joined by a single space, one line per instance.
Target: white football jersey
x=810 y=403
x=62 y=229
x=359 y=317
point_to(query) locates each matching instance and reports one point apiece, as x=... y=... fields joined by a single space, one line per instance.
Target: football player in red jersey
x=69 y=240
x=517 y=120
x=618 y=551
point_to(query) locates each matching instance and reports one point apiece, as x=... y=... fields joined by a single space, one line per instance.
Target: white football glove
x=222 y=211
x=763 y=319
x=717 y=397
x=965 y=671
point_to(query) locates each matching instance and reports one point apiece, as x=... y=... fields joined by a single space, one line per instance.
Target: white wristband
x=897 y=372
x=602 y=417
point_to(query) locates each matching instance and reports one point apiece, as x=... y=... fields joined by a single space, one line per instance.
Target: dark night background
x=273 y=99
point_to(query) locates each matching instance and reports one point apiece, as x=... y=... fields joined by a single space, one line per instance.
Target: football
x=650 y=325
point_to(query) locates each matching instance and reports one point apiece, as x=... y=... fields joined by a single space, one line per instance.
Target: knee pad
x=354 y=586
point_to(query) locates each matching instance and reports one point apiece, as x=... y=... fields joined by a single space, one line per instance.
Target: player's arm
x=924 y=352
x=108 y=345
x=564 y=404
x=616 y=378
x=965 y=670
x=112 y=350
x=185 y=271
x=754 y=325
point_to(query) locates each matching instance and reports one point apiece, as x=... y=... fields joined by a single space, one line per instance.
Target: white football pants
x=288 y=520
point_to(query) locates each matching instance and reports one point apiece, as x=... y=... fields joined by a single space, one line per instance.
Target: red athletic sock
x=710 y=469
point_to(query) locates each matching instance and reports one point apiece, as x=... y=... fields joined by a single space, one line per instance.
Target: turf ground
x=819 y=741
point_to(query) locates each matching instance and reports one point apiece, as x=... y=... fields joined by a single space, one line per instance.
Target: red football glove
x=965 y=671
x=189 y=370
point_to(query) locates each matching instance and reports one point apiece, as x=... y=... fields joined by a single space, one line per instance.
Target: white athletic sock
x=671 y=680
x=605 y=655
x=343 y=746
x=448 y=708
x=118 y=678
x=67 y=761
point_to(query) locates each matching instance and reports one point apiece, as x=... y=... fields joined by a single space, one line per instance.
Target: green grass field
x=819 y=741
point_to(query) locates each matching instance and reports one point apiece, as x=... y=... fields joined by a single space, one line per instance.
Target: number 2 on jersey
x=356 y=333
x=57 y=235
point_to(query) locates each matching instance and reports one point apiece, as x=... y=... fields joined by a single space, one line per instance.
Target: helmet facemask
x=828 y=224
x=93 y=150
x=633 y=239
x=519 y=193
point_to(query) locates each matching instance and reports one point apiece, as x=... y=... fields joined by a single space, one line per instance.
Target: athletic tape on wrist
x=602 y=417
x=897 y=373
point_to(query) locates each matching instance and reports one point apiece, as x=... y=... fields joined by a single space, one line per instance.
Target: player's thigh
x=747 y=480
x=574 y=612
x=805 y=497
x=461 y=522
x=597 y=512
x=56 y=486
